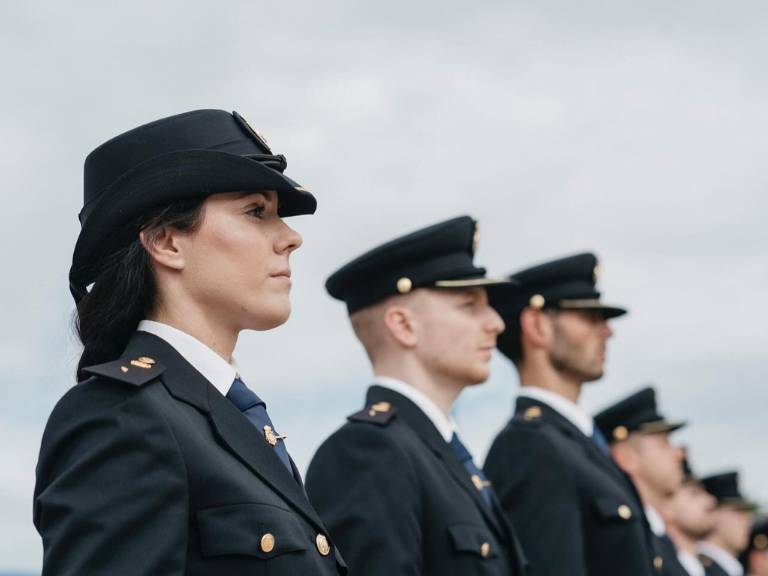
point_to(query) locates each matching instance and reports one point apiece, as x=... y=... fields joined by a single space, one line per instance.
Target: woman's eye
x=256 y=211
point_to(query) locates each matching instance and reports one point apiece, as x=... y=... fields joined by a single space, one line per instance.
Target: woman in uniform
x=162 y=460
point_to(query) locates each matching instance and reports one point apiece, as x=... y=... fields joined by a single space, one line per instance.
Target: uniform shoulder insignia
x=379 y=413
x=137 y=371
x=532 y=415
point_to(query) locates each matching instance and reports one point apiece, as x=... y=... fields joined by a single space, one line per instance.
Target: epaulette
x=379 y=413
x=531 y=415
x=138 y=371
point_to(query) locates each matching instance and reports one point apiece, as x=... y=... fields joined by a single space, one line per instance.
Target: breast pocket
x=473 y=540
x=258 y=530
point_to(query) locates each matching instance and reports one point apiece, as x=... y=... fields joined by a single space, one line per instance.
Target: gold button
x=124 y=368
x=658 y=562
x=532 y=413
x=322 y=545
x=267 y=543
x=485 y=549
x=404 y=285
x=147 y=360
x=625 y=512
x=537 y=301
x=620 y=433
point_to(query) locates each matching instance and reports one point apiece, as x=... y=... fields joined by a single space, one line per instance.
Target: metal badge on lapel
x=271 y=437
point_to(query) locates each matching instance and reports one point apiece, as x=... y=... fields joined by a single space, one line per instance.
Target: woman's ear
x=163 y=247
x=401 y=324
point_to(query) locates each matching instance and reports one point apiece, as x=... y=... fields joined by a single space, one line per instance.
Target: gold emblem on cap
x=322 y=545
x=267 y=543
x=141 y=364
x=658 y=562
x=379 y=407
x=146 y=360
x=761 y=542
x=475 y=239
x=271 y=437
x=624 y=512
x=485 y=549
x=596 y=272
x=537 y=301
x=404 y=285
x=532 y=413
x=620 y=433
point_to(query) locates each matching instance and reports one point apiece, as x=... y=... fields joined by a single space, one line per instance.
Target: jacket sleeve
x=111 y=491
x=538 y=493
x=367 y=493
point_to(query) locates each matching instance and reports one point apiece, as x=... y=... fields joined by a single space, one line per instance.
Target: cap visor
x=660 y=426
x=592 y=304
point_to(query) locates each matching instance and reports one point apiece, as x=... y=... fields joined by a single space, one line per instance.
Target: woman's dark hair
x=124 y=291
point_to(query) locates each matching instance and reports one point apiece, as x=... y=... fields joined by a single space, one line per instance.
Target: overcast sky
x=635 y=129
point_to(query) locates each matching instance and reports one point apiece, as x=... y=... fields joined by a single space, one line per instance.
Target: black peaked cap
x=563 y=284
x=725 y=488
x=636 y=413
x=438 y=256
x=179 y=158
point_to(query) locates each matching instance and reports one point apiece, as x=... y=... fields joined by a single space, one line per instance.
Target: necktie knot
x=243 y=397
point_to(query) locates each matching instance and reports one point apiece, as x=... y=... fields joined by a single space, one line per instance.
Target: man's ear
x=535 y=327
x=624 y=455
x=402 y=325
x=163 y=247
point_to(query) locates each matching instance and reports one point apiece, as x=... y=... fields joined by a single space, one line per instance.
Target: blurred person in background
x=720 y=549
x=690 y=518
x=639 y=438
x=755 y=557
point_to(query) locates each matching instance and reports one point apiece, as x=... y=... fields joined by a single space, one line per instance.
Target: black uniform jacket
x=576 y=513
x=398 y=501
x=668 y=553
x=146 y=469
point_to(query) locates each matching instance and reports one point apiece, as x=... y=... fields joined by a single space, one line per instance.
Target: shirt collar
x=691 y=563
x=213 y=367
x=445 y=425
x=656 y=522
x=727 y=562
x=567 y=409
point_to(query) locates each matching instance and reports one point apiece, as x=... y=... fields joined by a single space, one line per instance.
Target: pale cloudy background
x=637 y=129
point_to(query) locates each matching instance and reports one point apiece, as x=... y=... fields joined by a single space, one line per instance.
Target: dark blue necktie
x=600 y=442
x=255 y=410
x=477 y=476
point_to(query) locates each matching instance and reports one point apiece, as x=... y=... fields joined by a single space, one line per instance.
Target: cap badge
x=475 y=239
x=404 y=285
x=596 y=273
x=252 y=131
x=620 y=433
x=537 y=301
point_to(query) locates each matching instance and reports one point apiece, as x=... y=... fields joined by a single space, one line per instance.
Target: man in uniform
x=639 y=440
x=690 y=519
x=720 y=550
x=577 y=514
x=398 y=490
x=755 y=557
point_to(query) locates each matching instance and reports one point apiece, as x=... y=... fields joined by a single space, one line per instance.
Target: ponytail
x=124 y=291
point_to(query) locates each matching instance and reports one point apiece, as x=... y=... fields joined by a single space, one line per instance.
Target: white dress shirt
x=444 y=423
x=567 y=409
x=726 y=561
x=213 y=367
x=691 y=563
x=655 y=521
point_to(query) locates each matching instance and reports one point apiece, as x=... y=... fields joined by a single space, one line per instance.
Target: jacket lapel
x=233 y=429
x=425 y=430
